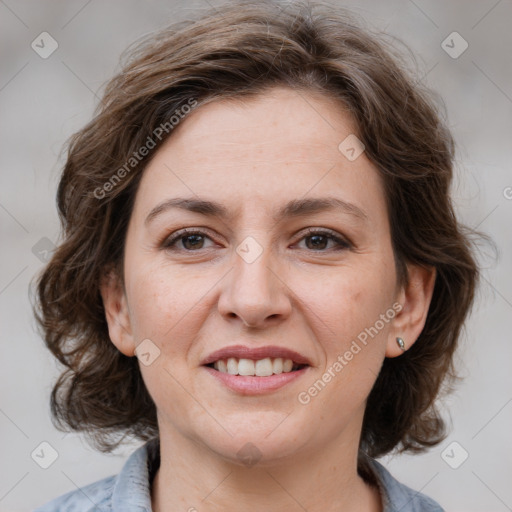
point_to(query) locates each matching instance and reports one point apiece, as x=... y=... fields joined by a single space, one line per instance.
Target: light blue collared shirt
x=130 y=490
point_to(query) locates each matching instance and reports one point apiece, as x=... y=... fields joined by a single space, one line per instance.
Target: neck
x=193 y=478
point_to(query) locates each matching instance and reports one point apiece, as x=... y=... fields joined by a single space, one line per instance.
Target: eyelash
x=343 y=244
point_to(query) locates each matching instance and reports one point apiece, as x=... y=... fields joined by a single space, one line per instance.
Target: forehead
x=281 y=123
x=261 y=152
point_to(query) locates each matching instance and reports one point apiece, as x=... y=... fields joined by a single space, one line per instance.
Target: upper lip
x=255 y=353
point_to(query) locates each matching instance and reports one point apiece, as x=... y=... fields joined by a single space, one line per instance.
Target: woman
x=261 y=273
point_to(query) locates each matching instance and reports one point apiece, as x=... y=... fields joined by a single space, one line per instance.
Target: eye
x=319 y=239
x=190 y=240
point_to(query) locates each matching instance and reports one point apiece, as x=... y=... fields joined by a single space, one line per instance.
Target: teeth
x=277 y=365
x=287 y=365
x=261 y=368
x=232 y=366
x=246 y=367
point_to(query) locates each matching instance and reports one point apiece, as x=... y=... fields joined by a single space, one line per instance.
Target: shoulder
x=129 y=491
x=92 y=497
x=397 y=496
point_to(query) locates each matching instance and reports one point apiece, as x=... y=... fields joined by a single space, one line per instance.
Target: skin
x=253 y=156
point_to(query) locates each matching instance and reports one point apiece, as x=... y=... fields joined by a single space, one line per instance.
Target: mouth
x=253 y=371
x=256 y=368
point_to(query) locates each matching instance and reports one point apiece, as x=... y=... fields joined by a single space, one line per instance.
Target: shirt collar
x=132 y=490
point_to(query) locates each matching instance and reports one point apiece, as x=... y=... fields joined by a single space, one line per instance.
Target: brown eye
x=319 y=240
x=188 y=241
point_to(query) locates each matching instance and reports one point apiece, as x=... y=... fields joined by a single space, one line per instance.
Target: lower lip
x=249 y=385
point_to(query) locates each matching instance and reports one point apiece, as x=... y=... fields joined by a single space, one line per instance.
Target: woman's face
x=263 y=270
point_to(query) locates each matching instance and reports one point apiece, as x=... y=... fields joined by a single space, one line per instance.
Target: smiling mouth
x=256 y=368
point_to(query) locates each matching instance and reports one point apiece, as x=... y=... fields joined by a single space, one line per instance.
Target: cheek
x=362 y=315
x=154 y=306
x=167 y=303
x=343 y=302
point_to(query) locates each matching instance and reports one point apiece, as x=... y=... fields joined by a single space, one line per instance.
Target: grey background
x=43 y=101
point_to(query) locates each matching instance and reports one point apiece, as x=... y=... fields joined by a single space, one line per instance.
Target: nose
x=256 y=292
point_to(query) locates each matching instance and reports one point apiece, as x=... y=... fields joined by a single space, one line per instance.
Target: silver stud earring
x=400 y=342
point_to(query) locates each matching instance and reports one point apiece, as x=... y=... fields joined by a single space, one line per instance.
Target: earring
x=400 y=342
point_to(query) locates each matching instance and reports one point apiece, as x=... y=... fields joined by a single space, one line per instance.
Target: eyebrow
x=294 y=208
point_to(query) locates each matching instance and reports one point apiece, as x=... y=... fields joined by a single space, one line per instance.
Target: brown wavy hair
x=233 y=51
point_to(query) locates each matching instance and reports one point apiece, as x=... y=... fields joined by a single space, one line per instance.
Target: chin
x=265 y=444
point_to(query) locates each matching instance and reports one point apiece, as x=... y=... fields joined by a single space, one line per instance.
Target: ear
x=117 y=312
x=415 y=301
